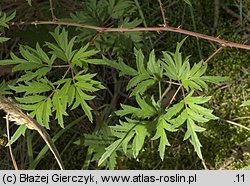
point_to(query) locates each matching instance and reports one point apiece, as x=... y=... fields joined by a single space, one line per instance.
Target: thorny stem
x=157 y=29
x=163 y=14
x=52 y=10
x=216 y=52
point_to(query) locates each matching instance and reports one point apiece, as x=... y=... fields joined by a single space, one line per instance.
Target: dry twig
x=16 y=115
x=9 y=143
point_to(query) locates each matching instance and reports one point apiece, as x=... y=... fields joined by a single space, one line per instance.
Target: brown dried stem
x=16 y=115
x=9 y=142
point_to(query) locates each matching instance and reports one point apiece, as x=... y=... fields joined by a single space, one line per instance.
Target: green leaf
x=42 y=54
x=246 y=168
x=85 y=77
x=116 y=10
x=32 y=60
x=194 y=69
x=15 y=60
x=145 y=107
x=145 y=111
x=96 y=61
x=143 y=86
x=170 y=66
x=40 y=73
x=122 y=67
x=3 y=39
x=69 y=49
x=197 y=99
x=5 y=19
x=80 y=100
x=161 y=127
x=82 y=56
x=110 y=150
x=62 y=81
x=140 y=135
x=30 y=107
x=140 y=61
x=174 y=110
x=38 y=113
x=20 y=131
x=179 y=44
x=203 y=111
x=177 y=56
x=60 y=107
x=83 y=83
x=202 y=69
x=71 y=94
x=191 y=78
x=58 y=52
x=87 y=84
x=215 y=79
x=188 y=2
x=181 y=118
x=33 y=87
x=137 y=79
x=61 y=37
x=47 y=112
x=26 y=66
x=184 y=71
x=245 y=103
x=127 y=109
x=127 y=130
x=112 y=161
x=201 y=83
x=4 y=87
x=28 y=54
x=125 y=141
x=31 y=99
x=193 y=85
x=29 y=2
x=196 y=116
x=191 y=132
x=153 y=67
x=10 y=17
